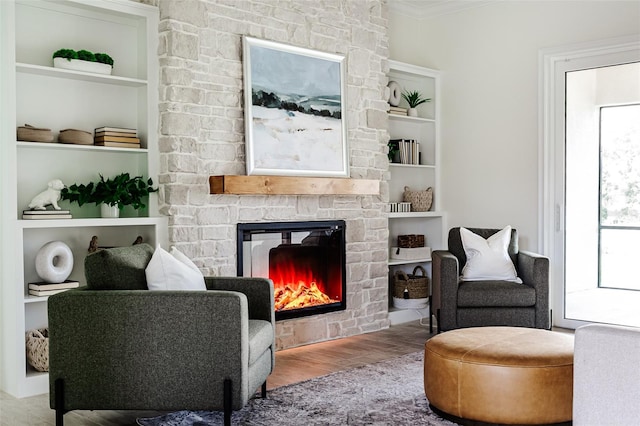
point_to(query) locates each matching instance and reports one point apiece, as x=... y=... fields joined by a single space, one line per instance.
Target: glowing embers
x=303 y=297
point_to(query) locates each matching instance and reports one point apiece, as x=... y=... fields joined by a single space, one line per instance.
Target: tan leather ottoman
x=507 y=375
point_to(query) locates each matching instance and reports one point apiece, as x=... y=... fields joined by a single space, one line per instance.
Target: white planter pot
x=107 y=211
x=85 y=66
x=412 y=112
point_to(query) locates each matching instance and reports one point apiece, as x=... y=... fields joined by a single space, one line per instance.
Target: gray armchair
x=460 y=304
x=117 y=346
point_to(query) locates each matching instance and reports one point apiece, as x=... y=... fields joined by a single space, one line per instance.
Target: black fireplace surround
x=305 y=261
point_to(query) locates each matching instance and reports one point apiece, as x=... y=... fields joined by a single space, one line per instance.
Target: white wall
x=489 y=59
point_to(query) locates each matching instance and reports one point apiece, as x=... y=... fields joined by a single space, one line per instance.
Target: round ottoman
x=507 y=375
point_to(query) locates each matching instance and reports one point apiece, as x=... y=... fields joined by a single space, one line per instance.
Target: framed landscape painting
x=294 y=111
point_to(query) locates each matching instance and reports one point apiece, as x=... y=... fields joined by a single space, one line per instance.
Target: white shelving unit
x=425 y=130
x=35 y=93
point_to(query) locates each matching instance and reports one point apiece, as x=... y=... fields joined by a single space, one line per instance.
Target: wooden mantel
x=291 y=185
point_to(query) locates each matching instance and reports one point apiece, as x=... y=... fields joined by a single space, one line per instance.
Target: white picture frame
x=294 y=111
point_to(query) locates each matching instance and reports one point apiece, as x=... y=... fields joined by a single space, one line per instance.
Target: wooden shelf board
x=291 y=185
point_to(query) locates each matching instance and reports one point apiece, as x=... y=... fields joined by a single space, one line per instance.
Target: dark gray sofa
x=460 y=304
x=117 y=346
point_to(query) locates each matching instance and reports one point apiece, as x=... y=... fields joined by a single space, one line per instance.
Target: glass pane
x=619 y=251
x=620 y=165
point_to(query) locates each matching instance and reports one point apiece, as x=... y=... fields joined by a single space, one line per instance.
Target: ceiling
x=426 y=9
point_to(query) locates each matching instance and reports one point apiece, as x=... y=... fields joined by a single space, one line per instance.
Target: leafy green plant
x=68 y=54
x=80 y=194
x=414 y=98
x=85 y=55
x=103 y=58
x=122 y=190
x=393 y=150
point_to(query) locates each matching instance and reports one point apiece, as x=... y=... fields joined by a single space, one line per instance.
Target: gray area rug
x=386 y=393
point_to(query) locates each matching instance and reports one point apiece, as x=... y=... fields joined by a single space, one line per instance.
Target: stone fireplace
x=305 y=261
x=201 y=126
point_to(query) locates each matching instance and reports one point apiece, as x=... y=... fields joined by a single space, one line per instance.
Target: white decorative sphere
x=54 y=262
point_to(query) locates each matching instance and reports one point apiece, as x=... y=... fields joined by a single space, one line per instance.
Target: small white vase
x=107 y=211
x=412 y=112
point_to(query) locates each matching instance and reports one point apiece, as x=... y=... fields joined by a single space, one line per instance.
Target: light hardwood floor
x=292 y=366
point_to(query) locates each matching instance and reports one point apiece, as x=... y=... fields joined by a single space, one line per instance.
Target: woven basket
x=421 y=201
x=417 y=287
x=38 y=348
x=410 y=241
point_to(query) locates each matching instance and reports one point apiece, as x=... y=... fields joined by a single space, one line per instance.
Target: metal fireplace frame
x=302 y=226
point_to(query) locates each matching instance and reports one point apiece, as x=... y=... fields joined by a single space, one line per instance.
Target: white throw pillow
x=488 y=259
x=173 y=271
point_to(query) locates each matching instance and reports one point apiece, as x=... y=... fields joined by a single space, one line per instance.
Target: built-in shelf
x=291 y=185
x=406 y=215
x=419 y=166
x=78 y=147
x=79 y=75
x=90 y=222
x=44 y=96
x=395 y=262
x=411 y=119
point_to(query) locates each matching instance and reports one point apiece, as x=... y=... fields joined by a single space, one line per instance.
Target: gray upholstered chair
x=460 y=304
x=117 y=346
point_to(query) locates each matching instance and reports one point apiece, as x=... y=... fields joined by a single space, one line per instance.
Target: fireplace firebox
x=305 y=261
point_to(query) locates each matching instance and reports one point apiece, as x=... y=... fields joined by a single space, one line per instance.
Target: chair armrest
x=606 y=377
x=445 y=288
x=168 y=348
x=533 y=269
x=259 y=293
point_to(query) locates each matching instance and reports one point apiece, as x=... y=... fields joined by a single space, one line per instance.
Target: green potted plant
x=414 y=98
x=83 y=60
x=111 y=194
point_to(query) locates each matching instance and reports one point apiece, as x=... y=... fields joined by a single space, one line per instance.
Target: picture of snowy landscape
x=294 y=122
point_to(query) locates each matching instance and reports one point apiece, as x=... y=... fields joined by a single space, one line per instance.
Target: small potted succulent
x=414 y=98
x=111 y=194
x=83 y=60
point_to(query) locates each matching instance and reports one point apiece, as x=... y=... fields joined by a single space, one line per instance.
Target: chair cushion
x=455 y=244
x=488 y=258
x=260 y=338
x=173 y=271
x=476 y=294
x=118 y=268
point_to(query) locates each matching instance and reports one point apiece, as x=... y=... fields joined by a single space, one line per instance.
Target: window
x=619 y=224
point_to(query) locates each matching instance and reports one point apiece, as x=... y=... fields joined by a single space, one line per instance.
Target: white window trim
x=553 y=63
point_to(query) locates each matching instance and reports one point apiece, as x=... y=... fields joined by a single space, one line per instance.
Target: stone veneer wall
x=202 y=134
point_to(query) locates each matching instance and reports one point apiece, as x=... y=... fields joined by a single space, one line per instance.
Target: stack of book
x=397 y=110
x=409 y=150
x=47 y=289
x=116 y=137
x=46 y=214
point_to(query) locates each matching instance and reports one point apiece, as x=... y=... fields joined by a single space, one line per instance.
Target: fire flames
x=297 y=286
x=303 y=296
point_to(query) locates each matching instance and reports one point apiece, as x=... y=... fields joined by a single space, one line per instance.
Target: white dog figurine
x=50 y=195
